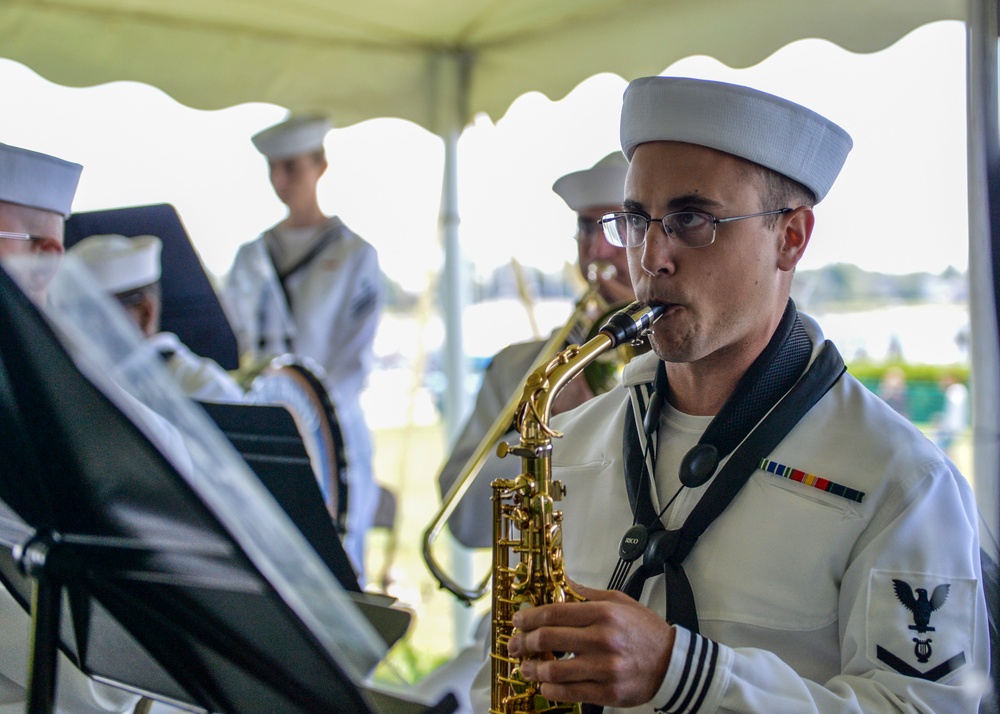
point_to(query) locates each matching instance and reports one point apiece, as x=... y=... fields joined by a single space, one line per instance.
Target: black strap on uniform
x=769 y=379
x=326 y=236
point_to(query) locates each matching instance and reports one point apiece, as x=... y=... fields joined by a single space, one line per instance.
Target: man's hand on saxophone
x=621 y=649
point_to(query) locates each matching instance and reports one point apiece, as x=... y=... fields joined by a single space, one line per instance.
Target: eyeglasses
x=21 y=236
x=694 y=229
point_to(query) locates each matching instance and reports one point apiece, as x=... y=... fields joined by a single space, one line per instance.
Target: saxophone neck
x=544 y=384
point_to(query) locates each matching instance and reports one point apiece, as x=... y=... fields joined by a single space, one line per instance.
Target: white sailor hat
x=120 y=264
x=759 y=127
x=603 y=184
x=36 y=180
x=293 y=137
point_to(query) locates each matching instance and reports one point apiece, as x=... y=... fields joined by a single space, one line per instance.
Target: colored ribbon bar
x=851 y=494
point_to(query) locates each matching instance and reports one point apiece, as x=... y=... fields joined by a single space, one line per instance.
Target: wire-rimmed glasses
x=694 y=229
x=21 y=236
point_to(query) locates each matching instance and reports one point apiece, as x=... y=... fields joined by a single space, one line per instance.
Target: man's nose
x=657 y=251
x=278 y=177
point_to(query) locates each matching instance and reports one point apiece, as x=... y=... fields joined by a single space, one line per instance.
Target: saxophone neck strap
x=769 y=377
x=769 y=400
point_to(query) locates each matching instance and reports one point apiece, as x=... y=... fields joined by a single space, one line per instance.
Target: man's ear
x=798 y=227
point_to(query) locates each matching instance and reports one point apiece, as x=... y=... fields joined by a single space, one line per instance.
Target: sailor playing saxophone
x=827 y=561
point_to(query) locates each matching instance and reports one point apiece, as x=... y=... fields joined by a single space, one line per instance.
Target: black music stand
x=153 y=558
x=191 y=309
x=267 y=437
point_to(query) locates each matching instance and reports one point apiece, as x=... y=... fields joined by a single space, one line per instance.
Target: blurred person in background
x=590 y=193
x=892 y=390
x=311 y=287
x=953 y=420
x=129 y=270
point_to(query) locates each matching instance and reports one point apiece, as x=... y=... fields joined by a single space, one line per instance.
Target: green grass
x=407 y=461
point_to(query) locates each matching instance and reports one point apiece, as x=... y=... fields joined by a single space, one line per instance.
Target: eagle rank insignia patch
x=920 y=625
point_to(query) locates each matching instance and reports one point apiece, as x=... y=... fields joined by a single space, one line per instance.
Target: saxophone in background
x=527 y=529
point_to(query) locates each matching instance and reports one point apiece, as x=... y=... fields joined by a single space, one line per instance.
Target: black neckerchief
x=774 y=374
x=325 y=236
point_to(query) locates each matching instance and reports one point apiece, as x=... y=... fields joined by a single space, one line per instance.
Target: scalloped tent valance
x=437 y=62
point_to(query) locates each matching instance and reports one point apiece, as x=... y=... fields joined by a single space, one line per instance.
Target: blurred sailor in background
x=129 y=269
x=310 y=287
x=590 y=193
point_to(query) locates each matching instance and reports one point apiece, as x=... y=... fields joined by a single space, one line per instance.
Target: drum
x=294 y=383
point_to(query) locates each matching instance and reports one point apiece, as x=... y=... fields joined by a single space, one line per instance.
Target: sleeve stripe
x=696 y=640
x=694 y=681
x=709 y=676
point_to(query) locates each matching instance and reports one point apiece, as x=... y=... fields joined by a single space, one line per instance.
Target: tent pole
x=984 y=253
x=452 y=73
x=454 y=294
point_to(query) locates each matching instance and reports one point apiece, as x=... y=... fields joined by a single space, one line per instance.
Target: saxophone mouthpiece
x=632 y=322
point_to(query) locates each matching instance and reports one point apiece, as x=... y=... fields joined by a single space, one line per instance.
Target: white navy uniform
x=199 y=377
x=46 y=183
x=330 y=315
x=801 y=594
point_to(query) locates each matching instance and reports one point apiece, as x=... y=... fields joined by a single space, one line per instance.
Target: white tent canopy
x=436 y=63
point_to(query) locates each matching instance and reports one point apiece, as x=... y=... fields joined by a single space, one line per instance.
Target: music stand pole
x=41 y=559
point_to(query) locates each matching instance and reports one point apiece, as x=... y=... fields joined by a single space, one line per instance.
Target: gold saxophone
x=525 y=521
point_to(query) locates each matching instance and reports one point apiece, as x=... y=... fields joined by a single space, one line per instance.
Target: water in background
x=407 y=385
x=920 y=334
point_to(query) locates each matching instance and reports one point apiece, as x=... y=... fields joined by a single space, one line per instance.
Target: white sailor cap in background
x=120 y=264
x=36 y=180
x=759 y=127
x=603 y=184
x=293 y=137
